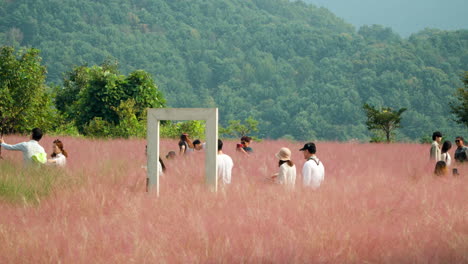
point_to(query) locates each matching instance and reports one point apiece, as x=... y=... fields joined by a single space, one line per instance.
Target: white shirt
x=313 y=173
x=435 y=151
x=446 y=157
x=29 y=149
x=287 y=175
x=60 y=160
x=225 y=165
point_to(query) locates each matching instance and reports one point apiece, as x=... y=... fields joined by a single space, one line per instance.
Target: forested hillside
x=298 y=69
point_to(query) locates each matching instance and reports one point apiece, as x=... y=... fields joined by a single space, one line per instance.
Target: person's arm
x=182 y=149
x=19 y=146
x=433 y=151
x=306 y=174
x=189 y=142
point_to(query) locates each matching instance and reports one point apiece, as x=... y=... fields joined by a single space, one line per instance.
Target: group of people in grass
x=34 y=153
x=440 y=154
x=313 y=171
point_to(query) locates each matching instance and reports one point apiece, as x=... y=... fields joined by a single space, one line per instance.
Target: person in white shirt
x=225 y=165
x=33 y=153
x=59 y=155
x=313 y=172
x=435 y=146
x=445 y=156
x=287 y=171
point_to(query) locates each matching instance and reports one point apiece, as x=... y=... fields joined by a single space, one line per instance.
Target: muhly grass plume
x=379 y=203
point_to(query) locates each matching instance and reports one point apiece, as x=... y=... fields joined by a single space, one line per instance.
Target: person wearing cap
x=225 y=165
x=461 y=153
x=313 y=172
x=287 y=171
x=435 y=153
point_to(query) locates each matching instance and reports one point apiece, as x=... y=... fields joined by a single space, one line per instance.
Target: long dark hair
x=281 y=162
x=59 y=144
x=162 y=164
x=446 y=146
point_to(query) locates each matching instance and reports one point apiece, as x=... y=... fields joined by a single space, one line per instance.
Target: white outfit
x=29 y=149
x=60 y=160
x=287 y=175
x=435 y=151
x=225 y=165
x=313 y=173
x=446 y=157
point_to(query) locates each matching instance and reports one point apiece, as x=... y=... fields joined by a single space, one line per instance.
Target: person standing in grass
x=445 y=156
x=59 y=155
x=435 y=146
x=33 y=153
x=225 y=165
x=461 y=153
x=198 y=145
x=185 y=144
x=287 y=171
x=313 y=172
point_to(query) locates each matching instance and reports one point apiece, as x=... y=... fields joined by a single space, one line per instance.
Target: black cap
x=310 y=147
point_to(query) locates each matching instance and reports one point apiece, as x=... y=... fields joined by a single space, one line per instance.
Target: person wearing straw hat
x=287 y=171
x=313 y=172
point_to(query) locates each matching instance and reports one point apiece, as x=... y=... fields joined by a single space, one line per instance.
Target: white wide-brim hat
x=284 y=154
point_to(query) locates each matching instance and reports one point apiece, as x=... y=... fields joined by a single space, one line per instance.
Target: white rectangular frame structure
x=210 y=115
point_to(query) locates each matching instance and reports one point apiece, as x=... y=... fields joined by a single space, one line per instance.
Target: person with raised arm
x=33 y=152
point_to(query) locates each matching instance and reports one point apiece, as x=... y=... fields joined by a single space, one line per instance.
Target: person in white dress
x=287 y=169
x=445 y=156
x=59 y=155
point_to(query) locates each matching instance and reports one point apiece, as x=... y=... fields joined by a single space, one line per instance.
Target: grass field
x=379 y=204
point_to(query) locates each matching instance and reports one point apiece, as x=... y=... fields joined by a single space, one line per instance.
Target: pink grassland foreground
x=379 y=203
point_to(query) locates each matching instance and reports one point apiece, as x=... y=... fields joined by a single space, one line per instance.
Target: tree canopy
x=297 y=69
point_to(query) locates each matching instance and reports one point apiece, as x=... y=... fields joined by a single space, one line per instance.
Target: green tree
x=460 y=106
x=102 y=94
x=385 y=120
x=24 y=101
x=238 y=129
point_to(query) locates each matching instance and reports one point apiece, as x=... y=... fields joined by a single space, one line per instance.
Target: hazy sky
x=404 y=16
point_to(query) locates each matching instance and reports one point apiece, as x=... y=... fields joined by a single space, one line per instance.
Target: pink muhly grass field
x=379 y=204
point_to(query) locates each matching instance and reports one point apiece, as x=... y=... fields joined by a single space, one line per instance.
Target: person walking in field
x=313 y=171
x=287 y=169
x=225 y=165
x=435 y=152
x=461 y=153
x=59 y=155
x=33 y=153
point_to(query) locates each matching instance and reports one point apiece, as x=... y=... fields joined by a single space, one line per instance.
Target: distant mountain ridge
x=300 y=70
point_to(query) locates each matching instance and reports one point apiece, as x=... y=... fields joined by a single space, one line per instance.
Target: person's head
x=309 y=150
x=57 y=148
x=437 y=136
x=440 y=168
x=220 y=145
x=446 y=146
x=184 y=137
x=245 y=140
x=170 y=155
x=36 y=134
x=459 y=141
x=284 y=156
x=197 y=144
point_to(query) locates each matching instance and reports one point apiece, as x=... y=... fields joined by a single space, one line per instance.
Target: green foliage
x=385 y=120
x=195 y=128
x=28 y=186
x=103 y=103
x=237 y=129
x=24 y=101
x=297 y=69
x=460 y=106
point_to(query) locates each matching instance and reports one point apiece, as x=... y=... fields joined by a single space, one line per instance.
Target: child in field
x=440 y=168
x=33 y=153
x=287 y=171
x=59 y=155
